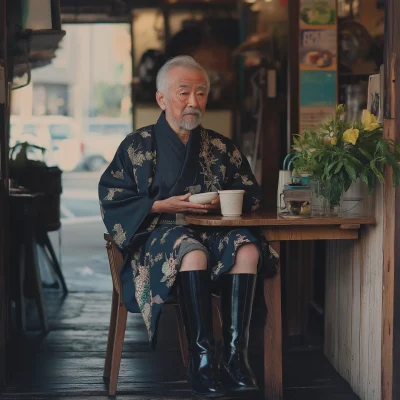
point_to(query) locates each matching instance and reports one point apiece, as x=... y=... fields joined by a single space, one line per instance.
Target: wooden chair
x=118 y=319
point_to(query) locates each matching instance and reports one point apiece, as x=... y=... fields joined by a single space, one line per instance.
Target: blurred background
x=100 y=85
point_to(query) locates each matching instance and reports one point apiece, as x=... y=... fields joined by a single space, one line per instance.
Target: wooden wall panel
x=353 y=304
x=378 y=366
x=391 y=213
x=355 y=315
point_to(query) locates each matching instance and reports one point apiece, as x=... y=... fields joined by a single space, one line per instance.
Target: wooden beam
x=298 y=260
x=290 y=233
x=293 y=74
x=273 y=336
x=390 y=387
x=4 y=246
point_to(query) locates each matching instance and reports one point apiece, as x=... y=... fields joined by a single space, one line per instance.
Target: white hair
x=179 y=61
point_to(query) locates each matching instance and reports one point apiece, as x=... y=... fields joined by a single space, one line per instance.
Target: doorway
x=80 y=106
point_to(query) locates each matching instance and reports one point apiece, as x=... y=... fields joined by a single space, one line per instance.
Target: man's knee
x=194 y=260
x=248 y=253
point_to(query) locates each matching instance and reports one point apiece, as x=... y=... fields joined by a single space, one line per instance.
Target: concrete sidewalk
x=83 y=256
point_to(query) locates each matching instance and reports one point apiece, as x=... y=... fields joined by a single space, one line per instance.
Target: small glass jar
x=320 y=198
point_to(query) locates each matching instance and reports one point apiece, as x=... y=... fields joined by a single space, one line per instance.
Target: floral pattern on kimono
x=135 y=179
x=161 y=267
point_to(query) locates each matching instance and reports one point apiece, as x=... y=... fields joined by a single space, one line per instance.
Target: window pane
x=30 y=128
x=60 y=132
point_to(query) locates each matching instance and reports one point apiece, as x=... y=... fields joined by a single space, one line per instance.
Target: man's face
x=185 y=99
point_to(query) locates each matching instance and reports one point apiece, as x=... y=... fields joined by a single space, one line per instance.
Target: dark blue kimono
x=153 y=164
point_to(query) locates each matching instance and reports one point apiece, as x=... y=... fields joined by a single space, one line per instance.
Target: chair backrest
x=115 y=259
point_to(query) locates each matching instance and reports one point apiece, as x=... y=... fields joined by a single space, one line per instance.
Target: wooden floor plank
x=67 y=363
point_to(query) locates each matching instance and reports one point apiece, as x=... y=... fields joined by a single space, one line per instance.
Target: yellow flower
x=334 y=141
x=369 y=121
x=351 y=136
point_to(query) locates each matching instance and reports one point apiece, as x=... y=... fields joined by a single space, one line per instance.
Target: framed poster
x=318 y=49
x=317 y=12
x=375 y=94
x=317 y=88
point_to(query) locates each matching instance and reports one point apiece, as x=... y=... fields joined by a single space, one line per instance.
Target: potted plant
x=339 y=152
x=36 y=176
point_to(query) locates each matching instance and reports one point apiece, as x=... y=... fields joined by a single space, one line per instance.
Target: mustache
x=193 y=111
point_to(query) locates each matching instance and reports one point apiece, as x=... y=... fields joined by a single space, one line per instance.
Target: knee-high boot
x=195 y=303
x=237 y=294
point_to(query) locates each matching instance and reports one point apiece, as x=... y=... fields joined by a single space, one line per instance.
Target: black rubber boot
x=237 y=294
x=195 y=303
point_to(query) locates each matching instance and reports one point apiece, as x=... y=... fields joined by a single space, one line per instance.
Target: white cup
x=231 y=202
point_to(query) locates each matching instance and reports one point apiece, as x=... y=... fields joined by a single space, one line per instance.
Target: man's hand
x=215 y=204
x=178 y=204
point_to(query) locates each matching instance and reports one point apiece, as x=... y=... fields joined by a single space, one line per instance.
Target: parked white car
x=102 y=138
x=61 y=137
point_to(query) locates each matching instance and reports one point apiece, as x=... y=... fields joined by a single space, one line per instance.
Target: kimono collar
x=164 y=128
x=187 y=156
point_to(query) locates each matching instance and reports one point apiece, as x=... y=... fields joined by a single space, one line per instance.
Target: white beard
x=190 y=125
x=193 y=123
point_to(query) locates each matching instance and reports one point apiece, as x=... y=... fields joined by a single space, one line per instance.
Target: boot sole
x=244 y=392
x=238 y=391
x=209 y=396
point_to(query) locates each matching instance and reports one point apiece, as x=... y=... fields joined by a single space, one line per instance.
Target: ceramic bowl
x=203 y=198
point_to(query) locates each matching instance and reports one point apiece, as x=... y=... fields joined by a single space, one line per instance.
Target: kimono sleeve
x=124 y=194
x=242 y=177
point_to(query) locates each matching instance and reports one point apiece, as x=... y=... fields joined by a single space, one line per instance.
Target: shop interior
x=81 y=79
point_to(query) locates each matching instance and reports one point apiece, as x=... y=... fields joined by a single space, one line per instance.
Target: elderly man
x=143 y=197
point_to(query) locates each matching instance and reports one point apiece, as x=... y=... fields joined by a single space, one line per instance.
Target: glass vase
x=335 y=210
x=336 y=200
x=320 y=206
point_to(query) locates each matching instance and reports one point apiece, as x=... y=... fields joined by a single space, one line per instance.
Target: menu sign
x=318 y=49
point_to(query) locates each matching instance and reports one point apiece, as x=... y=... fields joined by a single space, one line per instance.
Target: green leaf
x=373 y=182
x=365 y=153
x=376 y=171
x=364 y=178
x=350 y=170
x=339 y=166
x=356 y=163
x=395 y=176
x=391 y=159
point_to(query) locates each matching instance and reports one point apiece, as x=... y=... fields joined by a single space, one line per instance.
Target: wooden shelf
x=357 y=75
x=34 y=49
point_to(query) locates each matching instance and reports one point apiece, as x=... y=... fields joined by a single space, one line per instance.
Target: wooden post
x=297 y=258
x=273 y=336
x=4 y=112
x=133 y=87
x=390 y=386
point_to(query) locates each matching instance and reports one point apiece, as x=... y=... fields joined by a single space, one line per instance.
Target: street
x=79 y=198
x=80 y=243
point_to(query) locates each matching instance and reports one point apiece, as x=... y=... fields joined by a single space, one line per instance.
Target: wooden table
x=277 y=229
